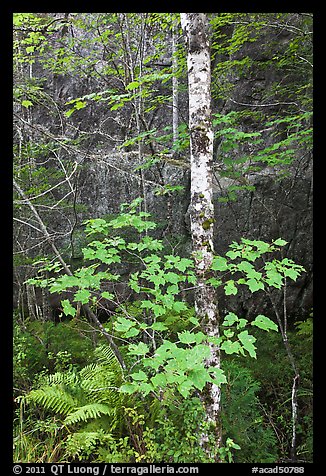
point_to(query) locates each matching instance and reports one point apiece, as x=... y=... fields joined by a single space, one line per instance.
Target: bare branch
x=52 y=188
x=67 y=270
x=28 y=224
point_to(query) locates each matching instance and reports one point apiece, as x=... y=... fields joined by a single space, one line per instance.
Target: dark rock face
x=272 y=211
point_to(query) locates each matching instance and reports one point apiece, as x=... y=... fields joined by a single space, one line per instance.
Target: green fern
x=88 y=402
x=79 y=397
x=105 y=356
x=84 y=413
x=53 y=398
x=64 y=378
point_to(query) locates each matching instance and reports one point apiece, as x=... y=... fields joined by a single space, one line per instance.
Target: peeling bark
x=195 y=28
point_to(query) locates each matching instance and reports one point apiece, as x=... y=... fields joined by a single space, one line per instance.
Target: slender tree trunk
x=293 y=363
x=175 y=112
x=195 y=27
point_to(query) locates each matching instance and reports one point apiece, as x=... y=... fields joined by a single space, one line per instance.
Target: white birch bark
x=175 y=112
x=195 y=28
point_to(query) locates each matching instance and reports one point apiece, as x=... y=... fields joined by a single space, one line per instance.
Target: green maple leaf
x=183 y=264
x=230 y=319
x=280 y=242
x=264 y=323
x=274 y=278
x=123 y=324
x=82 y=295
x=139 y=375
x=138 y=349
x=179 y=306
x=129 y=388
x=172 y=278
x=157 y=280
x=173 y=289
x=132 y=332
x=158 y=310
x=185 y=387
x=219 y=376
x=230 y=288
x=187 y=337
x=159 y=380
x=145 y=388
x=67 y=308
x=230 y=347
x=254 y=285
x=233 y=254
x=245 y=266
x=199 y=378
x=247 y=342
x=291 y=273
x=219 y=264
x=158 y=326
x=107 y=295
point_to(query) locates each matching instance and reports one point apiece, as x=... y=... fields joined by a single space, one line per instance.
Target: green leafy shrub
x=275 y=391
x=45 y=346
x=159 y=359
x=243 y=418
x=176 y=435
x=37 y=439
x=29 y=358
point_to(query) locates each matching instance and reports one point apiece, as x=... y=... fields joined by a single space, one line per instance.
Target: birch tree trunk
x=195 y=28
x=175 y=112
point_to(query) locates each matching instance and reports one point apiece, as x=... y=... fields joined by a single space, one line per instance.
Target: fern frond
x=91 y=393
x=105 y=356
x=88 y=374
x=102 y=390
x=101 y=380
x=55 y=399
x=63 y=378
x=92 y=410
